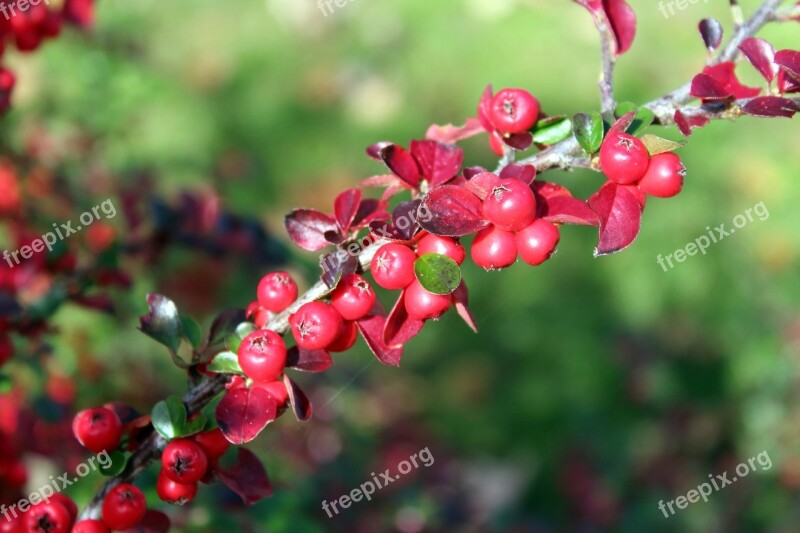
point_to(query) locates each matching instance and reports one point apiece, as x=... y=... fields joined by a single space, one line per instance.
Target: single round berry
x=262 y=355
x=276 y=389
x=173 y=492
x=510 y=205
x=184 y=461
x=346 y=339
x=90 y=526
x=423 y=305
x=514 y=110
x=213 y=443
x=664 y=176
x=315 y=325
x=276 y=291
x=393 y=266
x=353 y=297
x=623 y=158
x=537 y=242
x=448 y=246
x=124 y=506
x=68 y=504
x=494 y=248
x=97 y=429
x=48 y=517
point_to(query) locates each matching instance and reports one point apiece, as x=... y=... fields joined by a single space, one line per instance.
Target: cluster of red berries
x=624 y=160
x=186 y=462
x=510 y=111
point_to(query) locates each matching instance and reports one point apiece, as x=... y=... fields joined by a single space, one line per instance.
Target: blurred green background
x=596 y=388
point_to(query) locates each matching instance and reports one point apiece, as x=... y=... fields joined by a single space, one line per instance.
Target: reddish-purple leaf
x=623 y=22
x=247 y=478
x=686 y=123
x=337 y=264
x=400 y=328
x=308 y=360
x=308 y=228
x=708 y=88
x=725 y=74
x=244 y=413
x=567 y=210
x=153 y=522
x=484 y=109
x=438 y=162
x=523 y=173
x=461 y=301
x=711 y=31
x=404 y=219
x=384 y=230
x=481 y=184
x=345 y=208
x=453 y=211
x=401 y=163
x=298 y=400
x=770 y=106
x=622 y=123
x=98 y=302
x=519 y=141
x=761 y=55
x=620 y=215
x=374 y=150
x=450 y=134
x=471 y=172
x=789 y=61
x=368 y=210
x=224 y=324
x=787 y=84
x=371 y=328
x=548 y=189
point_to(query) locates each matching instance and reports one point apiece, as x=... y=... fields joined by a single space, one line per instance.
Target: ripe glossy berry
x=173 y=492
x=448 y=246
x=664 y=176
x=537 y=242
x=315 y=325
x=262 y=355
x=514 y=110
x=48 y=517
x=184 y=461
x=276 y=389
x=213 y=442
x=124 y=506
x=97 y=429
x=346 y=339
x=494 y=248
x=276 y=291
x=623 y=158
x=68 y=504
x=393 y=266
x=90 y=526
x=353 y=297
x=510 y=205
x=423 y=305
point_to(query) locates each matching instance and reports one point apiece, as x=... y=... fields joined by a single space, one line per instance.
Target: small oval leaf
x=225 y=363
x=451 y=211
x=437 y=273
x=551 y=130
x=588 y=130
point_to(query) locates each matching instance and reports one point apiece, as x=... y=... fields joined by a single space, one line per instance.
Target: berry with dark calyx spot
x=514 y=110
x=537 y=242
x=447 y=246
x=184 y=461
x=48 y=517
x=664 y=176
x=353 y=297
x=68 y=504
x=124 y=506
x=494 y=248
x=173 y=492
x=262 y=355
x=276 y=291
x=510 y=205
x=393 y=266
x=423 y=305
x=97 y=429
x=346 y=339
x=623 y=158
x=315 y=325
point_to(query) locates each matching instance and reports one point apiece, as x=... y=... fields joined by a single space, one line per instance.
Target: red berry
x=68 y=504
x=514 y=110
x=422 y=305
x=184 y=461
x=100 y=236
x=494 y=248
x=235 y=382
x=173 y=492
x=353 y=297
x=315 y=325
x=393 y=266
x=664 y=176
x=623 y=158
x=48 y=517
x=346 y=339
x=510 y=205
x=90 y=526
x=97 y=429
x=276 y=389
x=448 y=246
x=124 y=506
x=276 y=291
x=213 y=442
x=7 y=79
x=258 y=314
x=496 y=143
x=262 y=355
x=537 y=242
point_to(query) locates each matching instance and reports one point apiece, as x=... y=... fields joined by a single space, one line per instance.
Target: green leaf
x=169 y=416
x=588 y=130
x=244 y=329
x=162 y=322
x=118 y=462
x=193 y=426
x=5 y=384
x=191 y=330
x=225 y=363
x=437 y=273
x=623 y=108
x=232 y=342
x=656 y=145
x=551 y=130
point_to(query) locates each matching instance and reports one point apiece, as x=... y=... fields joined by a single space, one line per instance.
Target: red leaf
x=308 y=360
x=244 y=413
x=401 y=163
x=247 y=478
x=383 y=180
x=450 y=134
x=787 y=84
x=471 y=172
x=374 y=150
x=620 y=217
x=708 y=88
x=438 y=162
x=725 y=74
x=711 y=31
x=685 y=124
x=623 y=22
x=371 y=328
x=298 y=400
x=368 y=210
x=399 y=327
x=523 y=173
x=789 y=61
x=460 y=300
x=307 y=228
x=556 y=204
x=153 y=522
x=770 y=106
x=336 y=264
x=547 y=190
x=519 y=141
x=454 y=212
x=345 y=208
x=484 y=109
x=622 y=123
x=761 y=55
x=481 y=184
